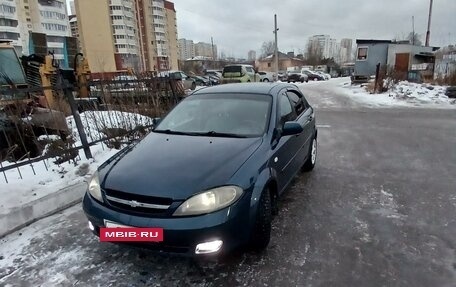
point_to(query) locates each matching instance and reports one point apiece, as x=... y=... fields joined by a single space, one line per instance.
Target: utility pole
x=428 y=32
x=276 y=49
x=213 y=57
x=413 y=30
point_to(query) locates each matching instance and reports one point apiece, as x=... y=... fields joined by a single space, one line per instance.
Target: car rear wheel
x=302 y=80
x=193 y=86
x=261 y=233
x=265 y=80
x=311 y=157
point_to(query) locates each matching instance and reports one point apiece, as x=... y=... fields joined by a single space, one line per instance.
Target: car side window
x=286 y=111
x=296 y=101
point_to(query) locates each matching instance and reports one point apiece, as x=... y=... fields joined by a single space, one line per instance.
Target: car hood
x=176 y=166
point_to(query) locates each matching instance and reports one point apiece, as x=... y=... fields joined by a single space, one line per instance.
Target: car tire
x=288 y=81
x=265 y=80
x=307 y=80
x=193 y=86
x=302 y=81
x=311 y=156
x=261 y=233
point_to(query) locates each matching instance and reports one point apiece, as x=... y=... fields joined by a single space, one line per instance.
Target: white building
x=20 y=18
x=51 y=18
x=10 y=28
x=205 y=50
x=327 y=44
x=251 y=55
x=186 y=49
x=346 y=46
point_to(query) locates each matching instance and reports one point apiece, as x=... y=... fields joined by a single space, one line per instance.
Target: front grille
x=138 y=203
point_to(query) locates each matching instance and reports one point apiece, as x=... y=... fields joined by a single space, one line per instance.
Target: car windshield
x=230 y=115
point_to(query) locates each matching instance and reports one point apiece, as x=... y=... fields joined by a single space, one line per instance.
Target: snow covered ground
x=51 y=177
x=404 y=94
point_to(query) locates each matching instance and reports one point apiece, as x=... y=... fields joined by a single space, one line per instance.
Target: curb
x=50 y=204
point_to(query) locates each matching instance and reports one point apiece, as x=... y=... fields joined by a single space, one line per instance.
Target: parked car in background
x=325 y=76
x=282 y=76
x=313 y=76
x=213 y=73
x=187 y=81
x=235 y=157
x=239 y=74
x=266 y=76
x=213 y=80
x=297 y=76
x=200 y=81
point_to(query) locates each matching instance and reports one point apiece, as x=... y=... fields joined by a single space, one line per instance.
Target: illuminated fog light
x=91 y=227
x=208 y=247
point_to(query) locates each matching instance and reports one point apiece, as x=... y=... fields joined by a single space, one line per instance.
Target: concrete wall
x=376 y=53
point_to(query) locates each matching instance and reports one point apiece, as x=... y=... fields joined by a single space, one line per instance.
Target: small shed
x=369 y=53
x=401 y=59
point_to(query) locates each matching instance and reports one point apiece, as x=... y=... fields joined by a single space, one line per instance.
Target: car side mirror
x=291 y=128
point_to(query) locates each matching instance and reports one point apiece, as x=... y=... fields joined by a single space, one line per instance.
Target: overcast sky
x=238 y=26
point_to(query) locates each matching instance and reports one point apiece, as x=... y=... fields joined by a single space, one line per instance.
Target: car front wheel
x=261 y=233
x=311 y=157
x=265 y=80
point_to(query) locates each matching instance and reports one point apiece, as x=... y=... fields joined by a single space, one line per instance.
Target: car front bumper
x=181 y=234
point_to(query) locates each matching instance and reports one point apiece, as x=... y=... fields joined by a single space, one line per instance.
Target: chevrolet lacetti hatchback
x=208 y=178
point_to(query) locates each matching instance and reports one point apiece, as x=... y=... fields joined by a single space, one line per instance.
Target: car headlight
x=209 y=201
x=94 y=187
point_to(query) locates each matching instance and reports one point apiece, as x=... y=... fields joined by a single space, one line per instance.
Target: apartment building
x=10 y=29
x=327 y=44
x=251 y=55
x=37 y=27
x=186 y=49
x=205 y=50
x=346 y=48
x=136 y=34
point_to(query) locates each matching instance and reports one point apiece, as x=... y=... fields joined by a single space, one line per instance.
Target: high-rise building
x=137 y=34
x=206 y=50
x=72 y=8
x=346 y=46
x=186 y=49
x=10 y=27
x=251 y=55
x=37 y=27
x=327 y=44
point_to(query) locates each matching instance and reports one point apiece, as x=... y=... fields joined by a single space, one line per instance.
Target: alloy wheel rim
x=314 y=151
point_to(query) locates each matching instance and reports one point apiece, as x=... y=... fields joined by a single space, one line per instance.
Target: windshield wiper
x=170 y=132
x=209 y=133
x=223 y=135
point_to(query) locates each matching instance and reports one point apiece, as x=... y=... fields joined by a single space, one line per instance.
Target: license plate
x=116 y=232
x=111 y=224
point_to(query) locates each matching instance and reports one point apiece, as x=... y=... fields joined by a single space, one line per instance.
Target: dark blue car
x=211 y=173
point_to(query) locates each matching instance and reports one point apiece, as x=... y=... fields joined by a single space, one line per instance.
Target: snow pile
x=402 y=94
x=49 y=176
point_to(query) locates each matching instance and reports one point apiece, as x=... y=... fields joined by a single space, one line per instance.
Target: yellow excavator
x=29 y=98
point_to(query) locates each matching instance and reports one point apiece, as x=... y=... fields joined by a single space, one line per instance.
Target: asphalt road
x=378 y=210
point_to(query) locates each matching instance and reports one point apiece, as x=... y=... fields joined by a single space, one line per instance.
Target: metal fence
x=74 y=117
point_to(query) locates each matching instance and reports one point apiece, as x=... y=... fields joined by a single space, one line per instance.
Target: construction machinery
x=32 y=100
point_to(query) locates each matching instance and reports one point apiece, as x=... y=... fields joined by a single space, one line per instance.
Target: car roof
x=246 y=88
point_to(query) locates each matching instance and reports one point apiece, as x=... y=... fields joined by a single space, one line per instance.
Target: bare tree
x=267 y=49
x=314 y=53
x=414 y=38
